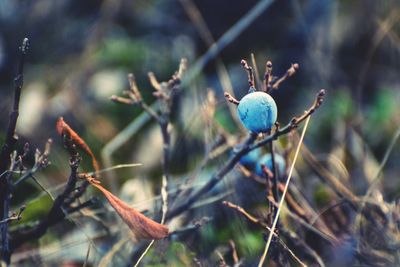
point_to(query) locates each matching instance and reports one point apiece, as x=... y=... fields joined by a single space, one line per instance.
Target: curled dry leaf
x=64 y=129
x=141 y=226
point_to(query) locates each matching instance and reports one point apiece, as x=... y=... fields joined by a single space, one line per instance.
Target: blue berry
x=267 y=161
x=250 y=159
x=258 y=112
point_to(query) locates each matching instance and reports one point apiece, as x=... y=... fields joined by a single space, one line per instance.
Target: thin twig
x=216 y=178
x=260 y=264
x=41 y=161
x=8 y=146
x=250 y=75
x=56 y=213
x=235 y=256
x=164 y=92
x=275 y=177
x=14 y=216
x=267 y=77
x=11 y=138
x=231 y=99
x=294 y=122
x=290 y=72
x=256 y=73
x=263 y=225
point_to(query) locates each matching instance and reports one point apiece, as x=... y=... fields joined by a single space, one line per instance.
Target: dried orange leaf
x=141 y=226
x=64 y=129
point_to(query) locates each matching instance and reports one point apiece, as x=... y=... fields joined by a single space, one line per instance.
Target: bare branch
x=11 y=140
x=57 y=212
x=235 y=256
x=263 y=225
x=294 y=122
x=153 y=81
x=231 y=99
x=290 y=72
x=267 y=77
x=134 y=88
x=41 y=162
x=249 y=71
x=14 y=216
x=122 y=100
x=163 y=92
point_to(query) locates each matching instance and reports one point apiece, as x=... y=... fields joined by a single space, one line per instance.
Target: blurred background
x=82 y=51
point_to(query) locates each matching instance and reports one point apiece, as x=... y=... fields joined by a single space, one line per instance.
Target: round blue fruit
x=258 y=112
x=280 y=164
x=250 y=159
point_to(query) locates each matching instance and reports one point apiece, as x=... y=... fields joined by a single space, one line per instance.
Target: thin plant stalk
x=271 y=233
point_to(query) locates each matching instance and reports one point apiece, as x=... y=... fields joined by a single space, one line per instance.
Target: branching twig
x=216 y=178
x=260 y=264
x=11 y=140
x=294 y=122
x=41 y=162
x=14 y=216
x=263 y=225
x=246 y=147
x=58 y=210
x=291 y=71
x=164 y=92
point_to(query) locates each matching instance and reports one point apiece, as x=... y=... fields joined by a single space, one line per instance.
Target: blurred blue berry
x=280 y=164
x=258 y=112
x=250 y=159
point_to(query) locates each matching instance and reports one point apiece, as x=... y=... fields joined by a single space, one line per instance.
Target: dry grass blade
x=141 y=226
x=106 y=260
x=87 y=255
x=144 y=253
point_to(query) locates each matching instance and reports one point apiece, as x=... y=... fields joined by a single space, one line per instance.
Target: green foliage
x=122 y=52
x=36 y=209
x=321 y=195
x=382 y=109
x=225 y=120
x=177 y=254
x=342 y=105
x=250 y=244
